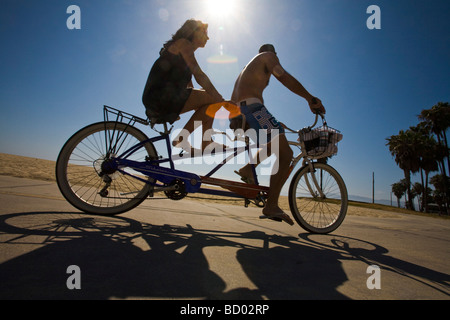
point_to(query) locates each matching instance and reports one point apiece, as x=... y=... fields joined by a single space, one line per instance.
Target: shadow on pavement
x=169 y=261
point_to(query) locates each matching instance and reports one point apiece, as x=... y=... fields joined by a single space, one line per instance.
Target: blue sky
x=372 y=82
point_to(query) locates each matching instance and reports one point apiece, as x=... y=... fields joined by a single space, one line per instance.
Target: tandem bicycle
x=110 y=167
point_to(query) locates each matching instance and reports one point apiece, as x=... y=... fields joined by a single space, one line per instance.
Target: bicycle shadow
x=174 y=266
x=124 y=258
x=373 y=254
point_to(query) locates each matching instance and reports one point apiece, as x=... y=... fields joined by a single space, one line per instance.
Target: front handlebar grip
x=314 y=101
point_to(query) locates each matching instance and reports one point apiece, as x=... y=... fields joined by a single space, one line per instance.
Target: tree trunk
x=425 y=196
x=408 y=181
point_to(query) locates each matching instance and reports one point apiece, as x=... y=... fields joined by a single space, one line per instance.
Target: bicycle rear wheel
x=87 y=181
x=318 y=198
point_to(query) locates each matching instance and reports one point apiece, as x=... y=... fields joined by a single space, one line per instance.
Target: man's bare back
x=253 y=79
x=256 y=75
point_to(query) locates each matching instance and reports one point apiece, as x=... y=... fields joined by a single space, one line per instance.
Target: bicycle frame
x=111 y=167
x=191 y=182
x=310 y=164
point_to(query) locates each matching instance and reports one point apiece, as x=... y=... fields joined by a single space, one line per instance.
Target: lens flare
x=233 y=110
x=220 y=7
x=222 y=59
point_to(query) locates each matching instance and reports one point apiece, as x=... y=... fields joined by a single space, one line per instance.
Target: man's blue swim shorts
x=261 y=120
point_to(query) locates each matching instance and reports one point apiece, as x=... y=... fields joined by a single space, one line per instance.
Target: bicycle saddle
x=158 y=118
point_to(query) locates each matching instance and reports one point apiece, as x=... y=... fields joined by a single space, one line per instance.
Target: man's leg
x=278 y=179
x=246 y=172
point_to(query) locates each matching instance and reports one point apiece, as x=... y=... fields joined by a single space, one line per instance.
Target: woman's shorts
x=166 y=105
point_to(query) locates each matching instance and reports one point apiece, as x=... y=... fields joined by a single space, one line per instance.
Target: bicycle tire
x=314 y=212
x=79 y=170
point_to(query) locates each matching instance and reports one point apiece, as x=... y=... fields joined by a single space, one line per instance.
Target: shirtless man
x=248 y=94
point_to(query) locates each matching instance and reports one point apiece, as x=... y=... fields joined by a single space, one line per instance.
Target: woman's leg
x=199 y=100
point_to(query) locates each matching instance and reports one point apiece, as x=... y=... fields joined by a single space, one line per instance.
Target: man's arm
x=274 y=66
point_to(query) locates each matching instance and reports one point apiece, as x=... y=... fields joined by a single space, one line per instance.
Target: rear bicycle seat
x=155 y=118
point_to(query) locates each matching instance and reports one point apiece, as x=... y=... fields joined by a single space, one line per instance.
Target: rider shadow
x=123 y=258
x=290 y=270
x=169 y=261
x=373 y=254
x=110 y=264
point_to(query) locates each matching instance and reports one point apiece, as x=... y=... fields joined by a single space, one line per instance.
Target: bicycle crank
x=177 y=190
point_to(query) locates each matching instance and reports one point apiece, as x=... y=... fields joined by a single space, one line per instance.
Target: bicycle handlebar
x=314 y=101
x=317 y=118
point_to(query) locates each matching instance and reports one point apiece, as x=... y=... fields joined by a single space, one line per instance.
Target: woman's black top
x=166 y=90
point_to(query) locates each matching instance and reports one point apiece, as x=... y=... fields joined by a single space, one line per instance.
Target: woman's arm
x=187 y=52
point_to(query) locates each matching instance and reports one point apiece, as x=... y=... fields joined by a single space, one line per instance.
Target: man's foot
x=246 y=176
x=277 y=215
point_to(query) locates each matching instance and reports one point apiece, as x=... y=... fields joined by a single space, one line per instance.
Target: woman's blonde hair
x=186 y=31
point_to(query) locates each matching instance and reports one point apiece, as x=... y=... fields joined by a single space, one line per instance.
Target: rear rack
x=121 y=115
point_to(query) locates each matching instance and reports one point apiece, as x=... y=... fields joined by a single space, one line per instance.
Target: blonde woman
x=169 y=90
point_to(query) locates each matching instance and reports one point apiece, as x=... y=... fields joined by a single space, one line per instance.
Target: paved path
x=196 y=250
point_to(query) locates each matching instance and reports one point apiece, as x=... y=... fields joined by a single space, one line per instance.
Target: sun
x=220 y=7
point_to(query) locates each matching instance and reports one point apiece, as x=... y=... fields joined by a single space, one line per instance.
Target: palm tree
x=429 y=163
x=417 y=191
x=398 y=189
x=438 y=119
x=403 y=148
x=441 y=183
x=429 y=156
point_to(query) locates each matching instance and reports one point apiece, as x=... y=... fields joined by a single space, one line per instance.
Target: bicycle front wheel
x=86 y=179
x=318 y=198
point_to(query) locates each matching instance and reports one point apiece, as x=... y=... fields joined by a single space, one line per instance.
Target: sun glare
x=220 y=7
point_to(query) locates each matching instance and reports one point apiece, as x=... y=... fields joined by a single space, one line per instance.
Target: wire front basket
x=320 y=142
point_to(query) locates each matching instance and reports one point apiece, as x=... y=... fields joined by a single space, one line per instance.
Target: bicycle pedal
x=271 y=218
